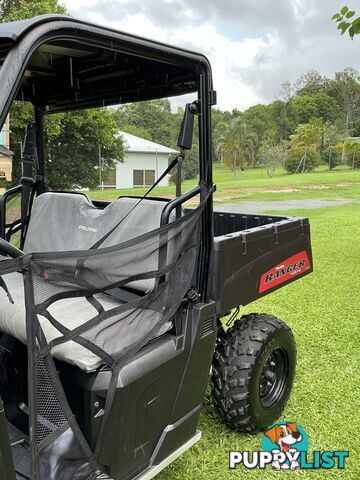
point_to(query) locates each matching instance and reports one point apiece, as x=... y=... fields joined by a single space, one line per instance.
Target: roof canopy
x=73 y=64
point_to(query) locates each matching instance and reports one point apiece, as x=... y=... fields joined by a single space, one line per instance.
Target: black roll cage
x=26 y=37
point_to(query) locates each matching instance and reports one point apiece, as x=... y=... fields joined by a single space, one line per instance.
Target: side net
x=77 y=312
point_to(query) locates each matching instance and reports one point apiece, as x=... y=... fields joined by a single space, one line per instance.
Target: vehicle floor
x=21 y=452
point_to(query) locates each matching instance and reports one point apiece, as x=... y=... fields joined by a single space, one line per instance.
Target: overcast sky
x=253 y=45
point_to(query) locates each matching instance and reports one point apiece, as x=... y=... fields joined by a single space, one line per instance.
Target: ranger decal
x=285 y=271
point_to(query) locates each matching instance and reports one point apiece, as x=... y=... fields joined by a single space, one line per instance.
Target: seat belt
x=178 y=158
x=28 y=159
x=7 y=291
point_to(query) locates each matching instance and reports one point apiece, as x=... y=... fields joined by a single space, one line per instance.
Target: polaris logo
x=88 y=229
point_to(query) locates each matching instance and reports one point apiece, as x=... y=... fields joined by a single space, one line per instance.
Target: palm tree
x=220 y=134
x=240 y=145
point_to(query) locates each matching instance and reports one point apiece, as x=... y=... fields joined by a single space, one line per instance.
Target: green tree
x=259 y=120
x=240 y=146
x=281 y=107
x=219 y=116
x=327 y=107
x=137 y=131
x=311 y=83
x=332 y=135
x=331 y=157
x=283 y=119
x=219 y=140
x=74 y=142
x=309 y=134
x=12 y=10
x=347 y=90
x=346 y=22
x=154 y=116
x=302 y=108
x=271 y=155
x=352 y=149
x=75 y=146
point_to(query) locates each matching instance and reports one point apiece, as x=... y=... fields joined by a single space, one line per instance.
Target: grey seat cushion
x=70 y=221
x=71 y=312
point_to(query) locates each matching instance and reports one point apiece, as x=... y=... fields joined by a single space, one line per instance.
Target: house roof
x=5 y=151
x=140 y=145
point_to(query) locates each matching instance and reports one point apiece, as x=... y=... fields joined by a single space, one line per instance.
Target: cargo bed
x=257 y=254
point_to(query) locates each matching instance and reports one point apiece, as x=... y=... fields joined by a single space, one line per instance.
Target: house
x=144 y=162
x=5 y=154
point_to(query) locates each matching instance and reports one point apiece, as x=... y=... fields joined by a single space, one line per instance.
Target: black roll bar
x=170 y=206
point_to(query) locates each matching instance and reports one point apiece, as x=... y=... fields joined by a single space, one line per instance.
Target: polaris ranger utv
x=110 y=312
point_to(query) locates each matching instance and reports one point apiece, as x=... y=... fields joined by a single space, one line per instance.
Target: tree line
x=313 y=119
x=310 y=120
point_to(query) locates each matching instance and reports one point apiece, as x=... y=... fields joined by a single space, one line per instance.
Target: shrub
x=331 y=157
x=339 y=147
x=352 y=151
x=301 y=159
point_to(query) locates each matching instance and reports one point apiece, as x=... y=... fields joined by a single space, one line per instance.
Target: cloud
x=253 y=45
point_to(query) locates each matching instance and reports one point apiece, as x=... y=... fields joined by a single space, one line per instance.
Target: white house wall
x=141 y=161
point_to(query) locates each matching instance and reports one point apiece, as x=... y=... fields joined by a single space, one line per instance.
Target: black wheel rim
x=273 y=377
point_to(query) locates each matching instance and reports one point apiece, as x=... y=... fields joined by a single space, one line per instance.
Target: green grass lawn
x=256 y=185
x=323 y=310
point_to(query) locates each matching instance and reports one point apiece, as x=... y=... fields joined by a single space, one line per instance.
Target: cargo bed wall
x=257 y=260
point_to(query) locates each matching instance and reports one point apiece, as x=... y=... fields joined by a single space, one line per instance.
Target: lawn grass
x=255 y=184
x=323 y=310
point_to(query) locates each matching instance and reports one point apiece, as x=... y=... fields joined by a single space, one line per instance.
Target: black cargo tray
x=255 y=255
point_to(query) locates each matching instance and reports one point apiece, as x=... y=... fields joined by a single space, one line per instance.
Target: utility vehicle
x=110 y=312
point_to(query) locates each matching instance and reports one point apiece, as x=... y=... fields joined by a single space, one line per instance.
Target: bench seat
x=62 y=221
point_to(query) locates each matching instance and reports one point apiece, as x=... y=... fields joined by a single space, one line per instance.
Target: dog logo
x=285 y=446
x=285 y=440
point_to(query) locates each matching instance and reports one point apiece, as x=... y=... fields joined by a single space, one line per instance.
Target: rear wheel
x=253 y=372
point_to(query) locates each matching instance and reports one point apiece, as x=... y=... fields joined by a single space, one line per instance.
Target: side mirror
x=185 y=139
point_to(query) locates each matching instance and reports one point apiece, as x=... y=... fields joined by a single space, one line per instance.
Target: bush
x=301 y=159
x=352 y=151
x=331 y=157
x=339 y=147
